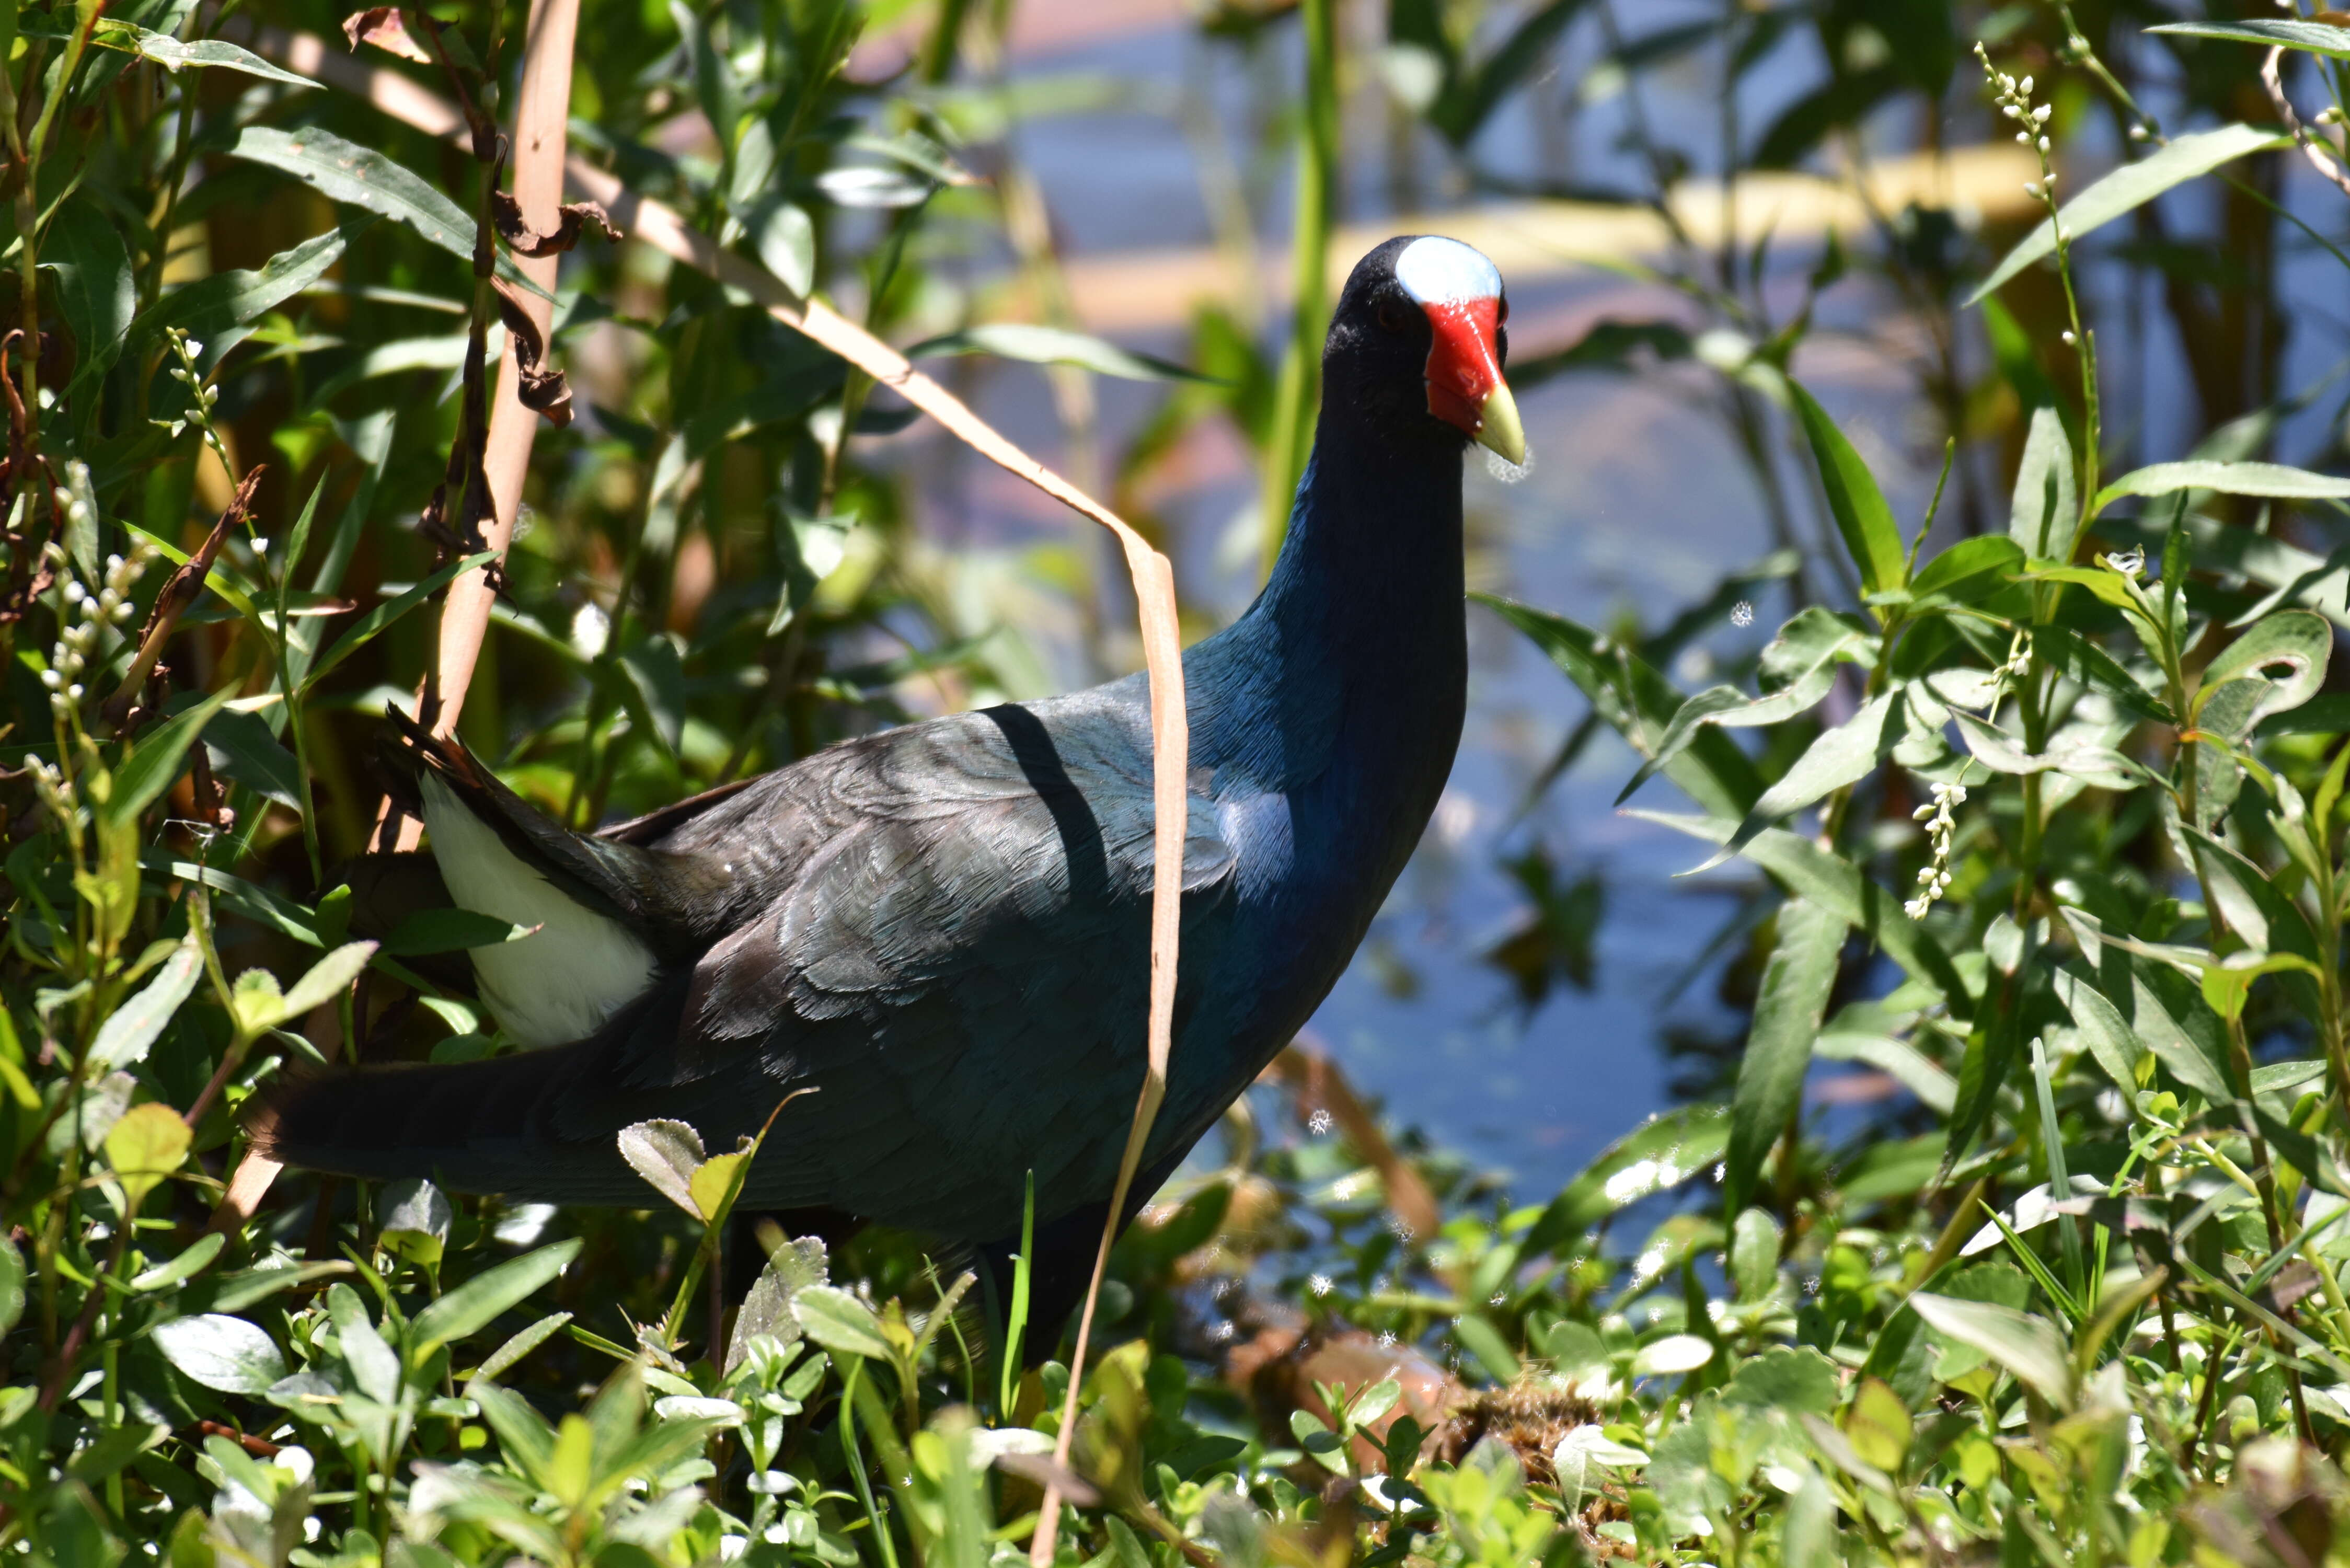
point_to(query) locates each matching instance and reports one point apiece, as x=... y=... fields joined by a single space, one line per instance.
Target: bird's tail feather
x=471 y=1126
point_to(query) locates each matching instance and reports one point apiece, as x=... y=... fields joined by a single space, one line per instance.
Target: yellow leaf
x=709 y=1183
x=146 y=1146
x=1878 y=1426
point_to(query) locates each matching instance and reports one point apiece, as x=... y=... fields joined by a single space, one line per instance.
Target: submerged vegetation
x=2041 y=816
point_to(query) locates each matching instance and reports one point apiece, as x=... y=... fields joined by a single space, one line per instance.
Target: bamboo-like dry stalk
x=653 y=223
x=541 y=110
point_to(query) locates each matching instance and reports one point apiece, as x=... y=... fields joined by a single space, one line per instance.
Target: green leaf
x=1823 y=640
x=154 y=760
x=1828 y=880
x=2228 y=984
x=1964 y=563
x=131 y=1032
x=450 y=931
x=1845 y=755
x=173 y=54
x=839 y=1322
x=345 y=171
x=1870 y=534
x=2028 y=1346
x=1054 y=346
x=413 y=1220
x=96 y=291
x=222 y=1353
x=229 y=299
x=185 y=1267
x=2105 y=1032
x=325 y=980
x=145 y=1145
x=1483 y=1341
x=1788 y=1010
x=367 y=626
x=2297 y=641
x=2271 y=479
x=1785 y=1377
x=2132 y=186
x=1640 y=703
x=2316 y=37
x=656 y=676
x=511 y=1353
x=12 y=1285
x=249 y=754
x=475 y=1305
x=666 y=1154
x=2047 y=510
x=1655 y=1158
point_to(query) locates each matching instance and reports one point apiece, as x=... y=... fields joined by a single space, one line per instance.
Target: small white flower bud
x=52 y=679
x=2024 y=87
x=2024 y=138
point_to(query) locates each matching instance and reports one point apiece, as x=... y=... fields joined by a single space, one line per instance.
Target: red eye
x=1391 y=317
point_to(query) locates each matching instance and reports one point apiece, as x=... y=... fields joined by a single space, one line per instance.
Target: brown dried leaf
x=538 y=387
x=571 y=220
x=385 y=27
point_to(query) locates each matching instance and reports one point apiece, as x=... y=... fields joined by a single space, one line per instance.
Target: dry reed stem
x=541 y=110
x=653 y=223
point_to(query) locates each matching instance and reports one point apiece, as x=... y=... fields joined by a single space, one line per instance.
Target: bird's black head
x=1417 y=347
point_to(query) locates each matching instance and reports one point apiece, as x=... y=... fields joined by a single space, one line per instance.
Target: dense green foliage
x=2047 y=827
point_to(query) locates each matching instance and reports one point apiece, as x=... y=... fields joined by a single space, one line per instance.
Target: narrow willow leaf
x=2316 y=37
x=2110 y=1040
x=1806 y=650
x=345 y=171
x=230 y=299
x=2271 y=479
x=1654 y=1158
x=1788 y=1010
x=507 y=1356
x=2132 y=186
x=367 y=626
x=1845 y=755
x=326 y=979
x=155 y=758
x=1829 y=881
x=173 y=54
x=1038 y=345
x=185 y=1267
x=1639 y=704
x=1870 y=534
x=1965 y=564
x=474 y=1304
x=2047 y=510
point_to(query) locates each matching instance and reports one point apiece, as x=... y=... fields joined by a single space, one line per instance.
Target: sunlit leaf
x=223 y=1352
x=2027 y=1345
x=1788 y=1010
x=1871 y=537
x=2131 y=186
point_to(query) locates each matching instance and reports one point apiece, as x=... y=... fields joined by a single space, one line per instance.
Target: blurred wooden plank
x=1137 y=291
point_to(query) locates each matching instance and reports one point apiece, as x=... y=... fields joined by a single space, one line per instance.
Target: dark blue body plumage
x=943 y=929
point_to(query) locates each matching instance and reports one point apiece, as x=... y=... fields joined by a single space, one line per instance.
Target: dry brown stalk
x=177 y=595
x=1153 y=576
